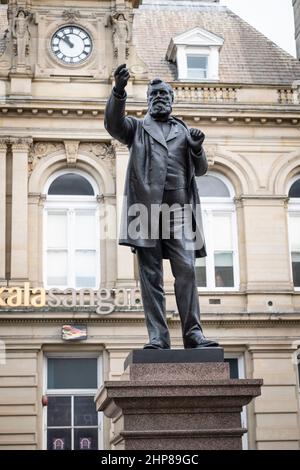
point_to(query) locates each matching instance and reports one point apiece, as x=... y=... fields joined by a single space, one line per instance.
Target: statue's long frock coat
x=147 y=169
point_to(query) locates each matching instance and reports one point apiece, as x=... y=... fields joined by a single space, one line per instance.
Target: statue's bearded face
x=160 y=101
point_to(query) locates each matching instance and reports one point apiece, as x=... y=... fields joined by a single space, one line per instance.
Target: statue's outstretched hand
x=121 y=78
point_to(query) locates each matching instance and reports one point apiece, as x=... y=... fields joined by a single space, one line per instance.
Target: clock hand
x=67 y=40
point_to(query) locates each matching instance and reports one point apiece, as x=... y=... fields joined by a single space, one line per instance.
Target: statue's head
x=160 y=98
x=118 y=16
x=21 y=14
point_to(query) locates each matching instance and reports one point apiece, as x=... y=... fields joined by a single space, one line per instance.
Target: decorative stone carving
x=3 y=144
x=20 y=144
x=210 y=151
x=21 y=39
x=40 y=150
x=101 y=151
x=71 y=148
x=71 y=14
x=118 y=147
x=121 y=29
x=4 y=42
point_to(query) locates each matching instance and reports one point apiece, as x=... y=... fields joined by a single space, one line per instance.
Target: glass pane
x=224 y=270
x=57 y=266
x=296 y=269
x=86 y=439
x=57 y=230
x=222 y=232
x=196 y=73
x=295 y=189
x=85 y=230
x=72 y=373
x=71 y=184
x=59 y=439
x=196 y=62
x=233 y=368
x=85 y=268
x=294 y=230
x=296 y=257
x=85 y=413
x=210 y=186
x=59 y=411
x=201 y=272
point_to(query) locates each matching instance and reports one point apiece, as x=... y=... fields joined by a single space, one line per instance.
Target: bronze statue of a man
x=165 y=157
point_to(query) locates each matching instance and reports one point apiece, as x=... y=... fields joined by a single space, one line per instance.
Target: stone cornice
x=230 y=114
x=214 y=320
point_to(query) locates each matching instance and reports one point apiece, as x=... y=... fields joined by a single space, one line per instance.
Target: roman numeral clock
x=71 y=44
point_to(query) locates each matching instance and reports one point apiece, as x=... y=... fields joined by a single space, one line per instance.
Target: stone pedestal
x=176 y=400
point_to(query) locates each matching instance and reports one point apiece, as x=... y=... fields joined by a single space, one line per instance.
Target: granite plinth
x=176 y=406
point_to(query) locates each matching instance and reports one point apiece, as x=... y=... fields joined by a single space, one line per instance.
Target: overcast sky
x=274 y=18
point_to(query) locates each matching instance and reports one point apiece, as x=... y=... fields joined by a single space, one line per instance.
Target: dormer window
x=196 y=53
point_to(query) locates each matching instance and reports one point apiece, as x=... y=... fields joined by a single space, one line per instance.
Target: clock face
x=71 y=44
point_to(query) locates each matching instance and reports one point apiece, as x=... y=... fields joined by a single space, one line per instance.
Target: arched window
x=71 y=232
x=71 y=184
x=294 y=228
x=219 y=270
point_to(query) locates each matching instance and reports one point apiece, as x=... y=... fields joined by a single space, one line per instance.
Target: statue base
x=176 y=400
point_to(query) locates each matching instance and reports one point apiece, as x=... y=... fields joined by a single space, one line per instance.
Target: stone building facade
x=61 y=185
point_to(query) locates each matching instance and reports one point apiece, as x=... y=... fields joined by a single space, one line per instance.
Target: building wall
x=252 y=138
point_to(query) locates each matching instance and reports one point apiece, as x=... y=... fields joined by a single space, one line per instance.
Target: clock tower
x=48 y=39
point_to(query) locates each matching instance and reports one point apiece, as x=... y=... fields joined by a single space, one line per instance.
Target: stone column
x=35 y=231
x=3 y=148
x=125 y=258
x=19 y=228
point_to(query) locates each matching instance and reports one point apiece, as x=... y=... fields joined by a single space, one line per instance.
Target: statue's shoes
x=203 y=343
x=155 y=346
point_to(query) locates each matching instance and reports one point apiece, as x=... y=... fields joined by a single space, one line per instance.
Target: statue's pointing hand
x=121 y=78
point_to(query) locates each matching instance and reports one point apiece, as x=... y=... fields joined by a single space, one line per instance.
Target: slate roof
x=247 y=56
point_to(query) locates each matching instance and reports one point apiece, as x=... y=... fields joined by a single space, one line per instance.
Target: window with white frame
x=294 y=229
x=219 y=270
x=197 y=66
x=71 y=419
x=71 y=232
